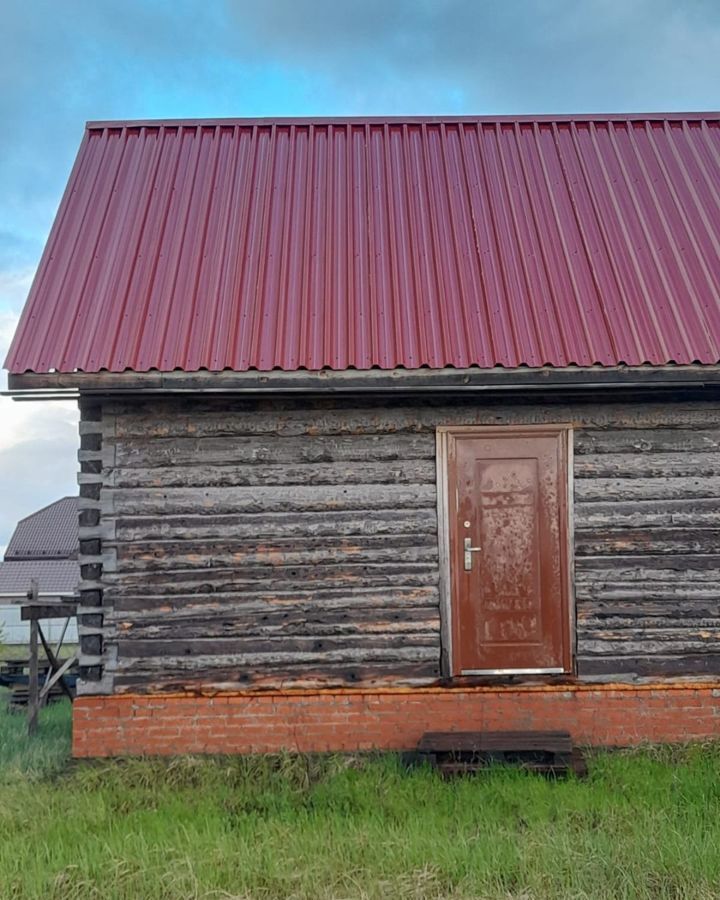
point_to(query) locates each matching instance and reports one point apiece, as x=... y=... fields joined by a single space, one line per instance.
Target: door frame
x=445 y=435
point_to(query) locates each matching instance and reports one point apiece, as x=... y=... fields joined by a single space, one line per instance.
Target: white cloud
x=14 y=287
x=38 y=440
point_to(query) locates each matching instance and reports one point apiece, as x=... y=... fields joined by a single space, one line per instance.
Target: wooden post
x=33 y=687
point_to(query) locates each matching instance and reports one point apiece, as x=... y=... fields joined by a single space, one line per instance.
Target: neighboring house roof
x=49 y=533
x=240 y=244
x=54 y=576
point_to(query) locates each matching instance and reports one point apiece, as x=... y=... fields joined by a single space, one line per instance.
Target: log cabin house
x=390 y=426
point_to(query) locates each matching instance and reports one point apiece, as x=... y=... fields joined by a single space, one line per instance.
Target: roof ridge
x=43 y=508
x=505 y=118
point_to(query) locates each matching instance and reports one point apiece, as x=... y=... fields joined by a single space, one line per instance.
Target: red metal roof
x=241 y=244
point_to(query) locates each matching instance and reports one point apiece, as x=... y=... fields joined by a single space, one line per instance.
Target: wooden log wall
x=294 y=542
x=647 y=546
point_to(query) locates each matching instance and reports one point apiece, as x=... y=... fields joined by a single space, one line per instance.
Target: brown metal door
x=507 y=506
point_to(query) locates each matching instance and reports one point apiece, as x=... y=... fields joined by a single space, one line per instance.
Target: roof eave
x=56 y=385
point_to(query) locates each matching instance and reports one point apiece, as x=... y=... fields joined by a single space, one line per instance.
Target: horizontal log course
x=278 y=552
x=240 y=474
x=654 y=513
x=268 y=598
x=669 y=541
x=283 y=647
x=624 y=490
x=632 y=442
x=271 y=450
x=649 y=665
x=284 y=579
x=631 y=643
x=650 y=567
x=300 y=525
x=244 y=665
x=305 y=623
x=673 y=600
x=644 y=618
x=678 y=598
x=325 y=674
x=387 y=415
x=648 y=465
x=284 y=499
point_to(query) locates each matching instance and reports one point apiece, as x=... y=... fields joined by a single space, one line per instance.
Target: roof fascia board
x=32 y=385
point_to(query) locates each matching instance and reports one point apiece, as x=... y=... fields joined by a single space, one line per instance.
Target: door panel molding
x=446 y=455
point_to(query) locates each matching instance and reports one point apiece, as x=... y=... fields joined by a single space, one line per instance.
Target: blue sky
x=62 y=63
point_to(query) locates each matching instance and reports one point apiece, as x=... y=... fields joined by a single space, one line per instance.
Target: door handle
x=469 y=550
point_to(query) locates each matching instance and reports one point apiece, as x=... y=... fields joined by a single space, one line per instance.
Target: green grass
x=19 y=651
x=644 y=825
x=23 y=758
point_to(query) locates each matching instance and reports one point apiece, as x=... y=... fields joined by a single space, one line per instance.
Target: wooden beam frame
x=33 y=611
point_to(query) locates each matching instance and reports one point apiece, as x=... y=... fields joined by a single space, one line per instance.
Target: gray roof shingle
x=54 y=576
x=50 y=533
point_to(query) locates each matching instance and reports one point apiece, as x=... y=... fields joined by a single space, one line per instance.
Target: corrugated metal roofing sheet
x=337 y=244
x=49 y=533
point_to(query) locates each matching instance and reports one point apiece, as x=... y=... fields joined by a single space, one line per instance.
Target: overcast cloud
x=64 y=63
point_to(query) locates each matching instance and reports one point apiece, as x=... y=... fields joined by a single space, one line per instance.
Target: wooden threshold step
x=464 y=752
x=478 y=741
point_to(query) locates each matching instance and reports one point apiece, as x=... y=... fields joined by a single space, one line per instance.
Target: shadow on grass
x=46 y=754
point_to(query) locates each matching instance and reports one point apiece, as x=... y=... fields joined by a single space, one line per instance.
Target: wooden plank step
x=451 y=769
x=555 y=765
x=495 y=741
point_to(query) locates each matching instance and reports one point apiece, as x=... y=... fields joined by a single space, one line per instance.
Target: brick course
x=389 y=719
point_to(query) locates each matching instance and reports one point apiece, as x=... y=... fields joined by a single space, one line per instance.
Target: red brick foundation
x=609 y=715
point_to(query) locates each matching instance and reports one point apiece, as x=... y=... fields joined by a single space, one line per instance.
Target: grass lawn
x=644 y=825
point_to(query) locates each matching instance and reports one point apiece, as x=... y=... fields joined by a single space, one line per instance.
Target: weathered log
x=650 y=665
x=385 y=415
x=238 y=474
x=648 y=465
x=279 y=552
x=672 y=643
x=628 y=618
x=217 y=623
x=667 y=541
x=284 y=499
x=191 y=660
x=643 y=567
x=290 y=524
x=271 y=450
x=304 y=675
x=347 y=597
x=280 y=646
x=679 y=595
x=284 y=579
x=625 y=490
x=683 y=512
x=633 y=441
